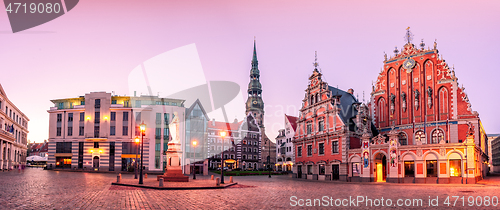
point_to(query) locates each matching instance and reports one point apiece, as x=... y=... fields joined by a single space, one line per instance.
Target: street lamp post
x=143 y=129
x=136 y=153
x=194 y=161
x=222 y=134
x=269 y=158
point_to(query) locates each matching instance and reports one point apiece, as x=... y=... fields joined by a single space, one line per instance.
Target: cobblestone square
x=41 y=189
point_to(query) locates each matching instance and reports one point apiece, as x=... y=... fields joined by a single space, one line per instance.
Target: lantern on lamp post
x=143 y=131
x=194 y=161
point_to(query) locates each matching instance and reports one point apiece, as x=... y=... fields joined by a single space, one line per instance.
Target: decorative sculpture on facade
x=403 y=99
x=470 y=130
x=393 y=99
x=429 y=96
x=417 y=95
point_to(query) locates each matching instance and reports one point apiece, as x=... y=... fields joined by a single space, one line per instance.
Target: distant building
x=495 y=154
x=38 y=149
x=97 y=131
x=196 y=130
x=13 y=134
x=241 y=146
x=285 y=152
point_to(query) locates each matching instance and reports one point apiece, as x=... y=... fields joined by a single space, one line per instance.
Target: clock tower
x=254 y=104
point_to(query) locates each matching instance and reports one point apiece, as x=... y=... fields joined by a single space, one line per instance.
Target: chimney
x=351 y=91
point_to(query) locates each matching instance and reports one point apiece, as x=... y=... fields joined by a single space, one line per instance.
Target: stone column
x=393 y=158
x=470 y=173
x=365 y=154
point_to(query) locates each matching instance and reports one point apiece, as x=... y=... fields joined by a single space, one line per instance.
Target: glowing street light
x=143 y=131
x=194 y=165
x=137 y=140
x=222 y=135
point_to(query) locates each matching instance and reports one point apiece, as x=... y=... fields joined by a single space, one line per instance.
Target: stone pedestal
x=173 y=172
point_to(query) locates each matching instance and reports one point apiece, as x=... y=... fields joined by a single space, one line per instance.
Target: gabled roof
x=293 y=121
x=190 y=109
x=347 y=101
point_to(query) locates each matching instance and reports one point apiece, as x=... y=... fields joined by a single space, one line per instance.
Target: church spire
x=255 y=63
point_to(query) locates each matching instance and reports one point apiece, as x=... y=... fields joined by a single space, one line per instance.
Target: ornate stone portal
x=173 y=172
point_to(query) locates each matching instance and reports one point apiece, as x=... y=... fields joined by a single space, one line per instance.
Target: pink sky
x=96 y=45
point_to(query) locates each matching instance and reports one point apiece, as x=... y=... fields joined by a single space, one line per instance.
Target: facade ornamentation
x=417 y=94
x=429 y=97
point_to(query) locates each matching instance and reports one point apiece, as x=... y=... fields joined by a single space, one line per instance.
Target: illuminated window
x=456 y=168
x=420 y=136
x=409 y=169
x=437 y=136
x=322 y=169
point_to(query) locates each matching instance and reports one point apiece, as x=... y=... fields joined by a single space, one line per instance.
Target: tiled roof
x=293 y=121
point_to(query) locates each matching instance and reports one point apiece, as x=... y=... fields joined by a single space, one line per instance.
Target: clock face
x=255 y=102
x=409 y=64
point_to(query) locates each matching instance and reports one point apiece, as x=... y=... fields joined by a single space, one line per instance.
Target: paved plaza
x=40 y=189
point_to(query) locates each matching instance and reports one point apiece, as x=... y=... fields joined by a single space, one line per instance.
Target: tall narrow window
x=125 y=116
x=59 y=117
x=70 y=117
x=309 y=150
x=335 y=146
x=403 y=140
x=97 y=103
x=113 y=116
x=443 y=103
x=299 y=151
x=82 y=116
x=321 y=148
x=381 y=112
x=309 y=128
x=321 y=125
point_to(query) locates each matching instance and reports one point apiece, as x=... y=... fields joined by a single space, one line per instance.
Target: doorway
x=299 y=171
x=335 y=172
x=381 y=167
x=96 y=163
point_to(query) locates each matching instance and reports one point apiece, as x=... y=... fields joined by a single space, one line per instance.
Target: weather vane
x=409 y=35
x=316 y=64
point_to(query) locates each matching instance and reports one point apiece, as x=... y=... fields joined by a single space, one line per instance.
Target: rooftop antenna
x=363 y=96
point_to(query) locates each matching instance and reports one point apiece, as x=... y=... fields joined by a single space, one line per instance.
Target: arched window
x=381 y=112
x=403 y=139
x=437 y=136
x=443 y=103
x=420 y=136
x=317 y=97
x=312 y=99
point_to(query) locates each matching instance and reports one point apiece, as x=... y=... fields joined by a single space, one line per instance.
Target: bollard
x=231 y=179
x=161 y=182
x=146 y=176
x=212 y=177
x=217 y=182
x=118 y=179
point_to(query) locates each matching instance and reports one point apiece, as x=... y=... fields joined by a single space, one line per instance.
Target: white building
x=97 y=131
x=285 y=154
x=13 y=134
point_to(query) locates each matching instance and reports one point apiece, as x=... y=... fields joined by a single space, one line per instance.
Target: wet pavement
x=39 y=189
